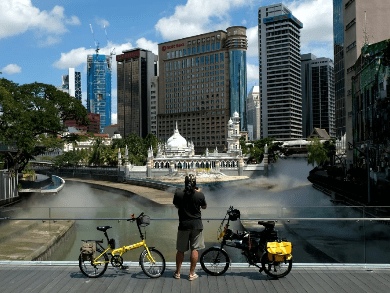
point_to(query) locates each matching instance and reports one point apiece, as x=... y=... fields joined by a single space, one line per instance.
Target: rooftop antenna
x=96 y=44
x=365 y=30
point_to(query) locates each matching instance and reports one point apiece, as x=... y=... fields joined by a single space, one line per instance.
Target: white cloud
x=11 y=69
x=114 y=118
x=253 y=43
x=102 y=22
x=252 y=73
x=19 y=16
x=78 y=56
x=74 y=20
x=319 y=49
x=84 y=98
x=197 y=17
x=317 y=19
x=147 y=45
x=50 y=40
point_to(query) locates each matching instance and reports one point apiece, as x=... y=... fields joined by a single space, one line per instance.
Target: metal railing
x=328 y=235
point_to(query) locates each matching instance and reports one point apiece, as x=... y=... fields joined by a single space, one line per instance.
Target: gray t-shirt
x=189 y=204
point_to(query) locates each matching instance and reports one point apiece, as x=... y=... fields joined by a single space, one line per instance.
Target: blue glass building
x=99 y=88
x=237 y=77
x=236 y=43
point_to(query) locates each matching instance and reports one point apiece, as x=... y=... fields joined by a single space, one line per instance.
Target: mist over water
x=285 y=193
x=287 y=185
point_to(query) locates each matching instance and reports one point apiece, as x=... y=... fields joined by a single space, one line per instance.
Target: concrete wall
x=108 y=174
x=139 y=172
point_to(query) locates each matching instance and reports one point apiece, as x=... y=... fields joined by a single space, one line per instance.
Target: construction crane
x=112 y=52
x=96 y=43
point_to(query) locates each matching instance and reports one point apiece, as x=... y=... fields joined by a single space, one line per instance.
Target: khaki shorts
x=189 y=239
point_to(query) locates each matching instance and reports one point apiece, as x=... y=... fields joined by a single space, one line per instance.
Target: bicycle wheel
x=152 y=269
x=214 y=261
x=94 y=269
x=276 y=269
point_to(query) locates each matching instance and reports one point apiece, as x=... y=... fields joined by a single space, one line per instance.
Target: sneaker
x=192 y=277
x=176 y=275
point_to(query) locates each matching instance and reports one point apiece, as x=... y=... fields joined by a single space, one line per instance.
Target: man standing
x=189 y=235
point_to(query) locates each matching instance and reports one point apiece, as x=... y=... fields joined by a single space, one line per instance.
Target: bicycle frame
x=123 y=250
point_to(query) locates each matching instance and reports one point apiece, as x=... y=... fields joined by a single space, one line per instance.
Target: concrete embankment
x=32 y=240
x=160 y=196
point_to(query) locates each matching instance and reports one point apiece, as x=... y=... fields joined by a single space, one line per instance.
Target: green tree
x=316 y=152
x=33 y=117
x=256 y=149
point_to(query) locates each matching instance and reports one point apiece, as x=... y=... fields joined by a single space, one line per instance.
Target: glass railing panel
x=376 y=241
x=316 y=239
x=324 y=241
x=377 y=212
x=24 y=212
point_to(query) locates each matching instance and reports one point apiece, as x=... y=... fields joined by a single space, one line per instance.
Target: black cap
x=190 y=181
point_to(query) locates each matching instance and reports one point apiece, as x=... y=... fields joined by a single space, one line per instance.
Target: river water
x=285 y=193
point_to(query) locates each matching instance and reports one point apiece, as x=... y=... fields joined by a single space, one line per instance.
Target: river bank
x=32 y=240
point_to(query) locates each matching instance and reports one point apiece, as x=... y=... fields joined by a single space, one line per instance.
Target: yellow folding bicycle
x=151 y=260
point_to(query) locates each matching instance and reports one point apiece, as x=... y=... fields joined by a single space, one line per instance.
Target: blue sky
x=41 y=39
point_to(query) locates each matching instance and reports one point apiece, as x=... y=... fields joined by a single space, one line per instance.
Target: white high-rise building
x=71 y=83
x=280 y=72
x=253 y=113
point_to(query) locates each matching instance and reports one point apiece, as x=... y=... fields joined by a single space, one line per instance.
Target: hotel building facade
x=202 y=82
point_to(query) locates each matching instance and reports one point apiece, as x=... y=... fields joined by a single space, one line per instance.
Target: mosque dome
x=235 y=114
x=176 y=140
x=230 y=122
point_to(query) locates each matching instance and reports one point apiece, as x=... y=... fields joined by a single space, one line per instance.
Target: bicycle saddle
x=267 y=224
x=103 y=228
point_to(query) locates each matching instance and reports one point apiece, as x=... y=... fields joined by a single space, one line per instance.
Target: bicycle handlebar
x=133 y=218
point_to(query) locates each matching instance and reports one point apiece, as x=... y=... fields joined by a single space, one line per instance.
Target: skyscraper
x=253 y=113
x=99 y=87
x=202 y=82
x=137 y=100
x=280 y=72
x=338 y=35
x=71 y=83
x=318 y=101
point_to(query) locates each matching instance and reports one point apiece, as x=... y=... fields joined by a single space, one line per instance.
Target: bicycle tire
x=152 y=269
x=94 y=271
x=276 y=269
x=214 y=261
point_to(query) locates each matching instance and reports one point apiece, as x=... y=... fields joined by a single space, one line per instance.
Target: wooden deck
x=60 y=278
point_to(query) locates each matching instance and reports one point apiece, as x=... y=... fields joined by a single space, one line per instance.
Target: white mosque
x=178 y=153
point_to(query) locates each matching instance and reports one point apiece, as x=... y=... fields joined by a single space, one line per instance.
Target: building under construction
x=99 y=87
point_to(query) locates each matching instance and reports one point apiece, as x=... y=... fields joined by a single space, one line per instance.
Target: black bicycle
x=261 y=249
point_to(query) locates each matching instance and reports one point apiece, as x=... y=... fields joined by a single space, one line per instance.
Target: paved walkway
x=53 y=279
x=158 y=196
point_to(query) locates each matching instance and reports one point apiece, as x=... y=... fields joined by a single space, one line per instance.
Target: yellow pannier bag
x=279 y=251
